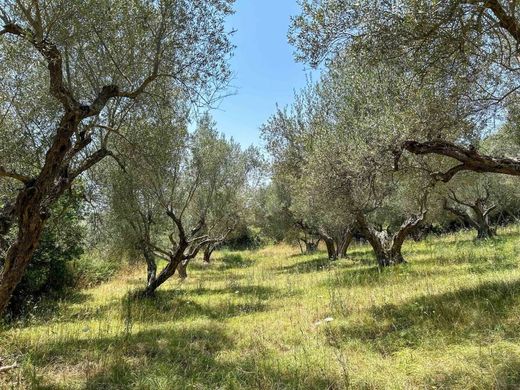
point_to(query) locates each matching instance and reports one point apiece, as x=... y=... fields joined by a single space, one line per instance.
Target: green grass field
x=450 y=319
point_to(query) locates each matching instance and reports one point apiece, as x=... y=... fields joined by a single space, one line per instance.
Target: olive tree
x=346 y=135
x=182 y=196
x=289 y=136
x=71 y=72
x=467 y=47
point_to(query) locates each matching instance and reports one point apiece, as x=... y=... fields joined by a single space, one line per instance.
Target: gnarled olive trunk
x=167 y=272
x=30 y=226
x=344 y=243
x=208 y=251
x=151 y=266
x=337 y=245
x=29 y=212
x=474 y=214
x=182 y=269
x=331 y=247
x=387 y=248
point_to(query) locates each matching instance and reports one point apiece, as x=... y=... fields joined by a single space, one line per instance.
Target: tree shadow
x=127 y=360
x=506 y=376
x=324 y=263
x=461 y=315
x=183 y=357
x=47 y=309
x=317 y=264
x=260 y=292
x=373 y=276
x=172 y=306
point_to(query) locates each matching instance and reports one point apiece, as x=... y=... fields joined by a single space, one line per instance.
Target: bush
x=92 y=269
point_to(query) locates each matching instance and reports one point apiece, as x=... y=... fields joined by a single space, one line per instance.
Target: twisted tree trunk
x=387 y=248
x=151 y=266
x=330 y=244
x=208 y=251
x=475 y=215
x=167 y=272
x=182 y=269
x=62 y=163
x=344 y=243
x=469 y=158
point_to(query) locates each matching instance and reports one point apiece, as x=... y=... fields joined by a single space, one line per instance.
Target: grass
x=450 y=319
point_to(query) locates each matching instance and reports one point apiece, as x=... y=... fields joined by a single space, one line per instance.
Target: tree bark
x=30 y=224
x=331 y=248
x=208 y=251
x=151 y=266
x=344 y=244
x=165 y=274
x=469 y=158
x=330 y=243
x=182 y=269
x=387 y=248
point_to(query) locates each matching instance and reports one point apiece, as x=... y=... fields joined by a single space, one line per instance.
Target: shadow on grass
x=360 y=256
x=172 y=305
x=182 y=357
x=50 y=308
x=358 y=276
x=506 y=375
x=317 y=264
x=260 y=292
x=454 y=317
x=131 y=361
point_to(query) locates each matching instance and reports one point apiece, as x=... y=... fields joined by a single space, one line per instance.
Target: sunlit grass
x=448 y=319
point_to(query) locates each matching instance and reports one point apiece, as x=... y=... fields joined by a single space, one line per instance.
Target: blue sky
x=265 y=72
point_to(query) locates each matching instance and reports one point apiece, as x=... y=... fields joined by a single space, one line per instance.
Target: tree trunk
x=151 y=266
x=484 y=229
x=344 y=244
x=208 y=251
x=33 y=201
x=478 y=218
x=20 y=252
x=182 y=269
x=331 y=248
x=485 y=232
x=387 y=249
x=165 y=274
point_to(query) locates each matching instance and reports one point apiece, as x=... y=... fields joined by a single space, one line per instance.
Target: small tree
x=181 y=197
x=474 y=213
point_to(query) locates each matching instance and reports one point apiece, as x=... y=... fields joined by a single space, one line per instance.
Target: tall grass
x=273 y=319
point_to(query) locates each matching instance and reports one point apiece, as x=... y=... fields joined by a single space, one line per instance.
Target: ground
x=274 y=319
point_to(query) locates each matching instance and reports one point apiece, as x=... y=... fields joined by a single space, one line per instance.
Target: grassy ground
x=256 y=320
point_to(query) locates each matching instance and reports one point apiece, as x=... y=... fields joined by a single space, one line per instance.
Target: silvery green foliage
x=122 y=43
x=467 y=49
x=197 y=176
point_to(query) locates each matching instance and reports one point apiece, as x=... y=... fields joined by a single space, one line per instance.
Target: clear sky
x=265 y=72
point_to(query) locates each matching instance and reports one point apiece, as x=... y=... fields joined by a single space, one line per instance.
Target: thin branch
x=14 y=175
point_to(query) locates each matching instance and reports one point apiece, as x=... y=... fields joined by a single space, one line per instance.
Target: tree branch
x=52 y=55
x=469 y=158
x=14 y=175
